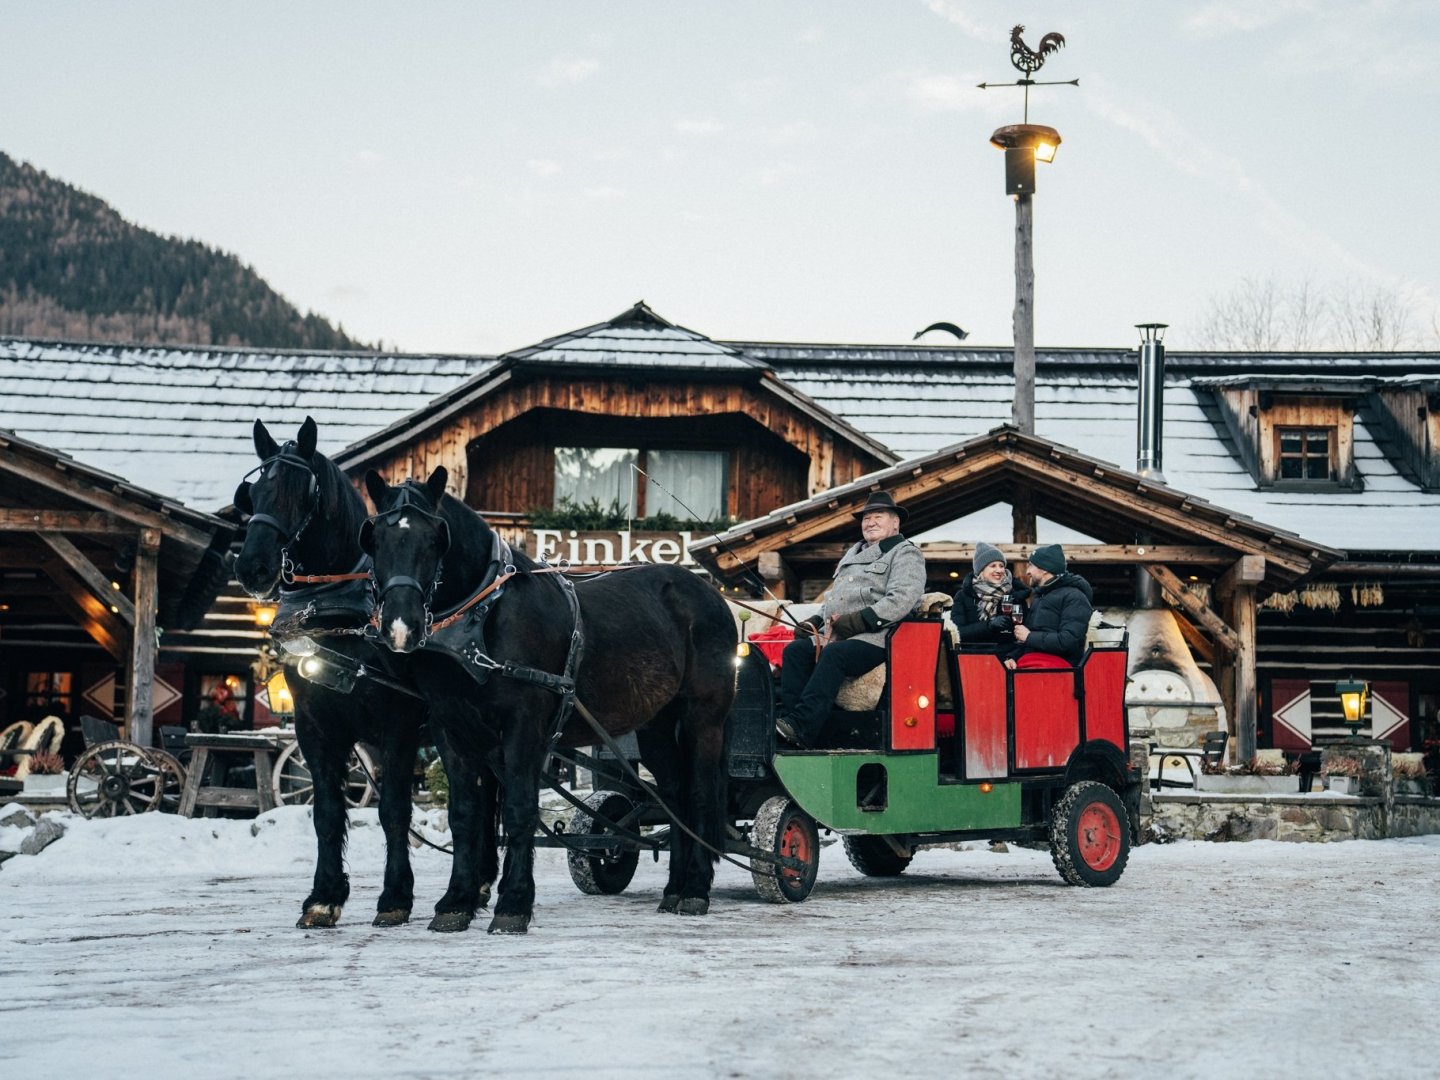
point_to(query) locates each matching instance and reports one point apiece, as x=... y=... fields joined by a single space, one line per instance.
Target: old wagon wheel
x=172 y=779
x=113 y=779
x=292 y=784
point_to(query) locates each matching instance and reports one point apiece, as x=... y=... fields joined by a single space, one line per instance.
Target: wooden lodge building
x=1296 y=533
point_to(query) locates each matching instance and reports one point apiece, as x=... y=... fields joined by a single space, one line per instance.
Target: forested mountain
x=72 y=268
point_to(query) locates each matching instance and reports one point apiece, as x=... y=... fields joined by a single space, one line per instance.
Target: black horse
x=655 y=655
x=305 y=520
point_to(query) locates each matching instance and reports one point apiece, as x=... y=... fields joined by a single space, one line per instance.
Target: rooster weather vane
x=1027 y=61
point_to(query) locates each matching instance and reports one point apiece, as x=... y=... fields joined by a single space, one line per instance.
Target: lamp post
x=1353 y=694
x=1025 y=144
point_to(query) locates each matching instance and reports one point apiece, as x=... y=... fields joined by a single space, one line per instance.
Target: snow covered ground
x=157 y=947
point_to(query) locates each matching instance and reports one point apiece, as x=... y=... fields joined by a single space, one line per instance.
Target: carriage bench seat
x=199 y=793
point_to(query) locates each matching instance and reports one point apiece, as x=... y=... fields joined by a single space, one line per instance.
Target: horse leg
x=661 y=755
x=520 y=807
x=702 y=751
x=326 y=759
x=455 y=910
x=397 y=767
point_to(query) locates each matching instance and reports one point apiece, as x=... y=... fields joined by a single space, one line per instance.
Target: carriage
x=956 y=747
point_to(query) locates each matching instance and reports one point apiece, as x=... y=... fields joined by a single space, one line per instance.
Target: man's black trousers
x=808 y=689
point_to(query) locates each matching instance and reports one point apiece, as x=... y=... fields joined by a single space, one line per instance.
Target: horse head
x=407 y=539
x=281 y=502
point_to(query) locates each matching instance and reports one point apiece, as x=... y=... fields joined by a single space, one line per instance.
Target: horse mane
x=339 y=515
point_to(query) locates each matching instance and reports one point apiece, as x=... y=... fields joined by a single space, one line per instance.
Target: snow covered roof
x=636 y=339
x=178 y=420
x=918 y=400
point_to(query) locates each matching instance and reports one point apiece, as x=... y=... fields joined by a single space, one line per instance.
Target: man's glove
x=849 y=624
x=1002 y=623
x=810 y=627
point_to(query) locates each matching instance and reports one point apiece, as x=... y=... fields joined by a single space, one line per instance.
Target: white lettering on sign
x=599 y=548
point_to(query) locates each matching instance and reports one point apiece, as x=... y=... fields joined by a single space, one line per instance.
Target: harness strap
x=326 y=579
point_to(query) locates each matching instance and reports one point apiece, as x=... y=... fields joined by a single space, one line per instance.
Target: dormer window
x=1305 y=453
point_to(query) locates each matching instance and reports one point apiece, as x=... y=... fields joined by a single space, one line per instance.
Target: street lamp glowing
x=1353 y=693
x=1045 y=151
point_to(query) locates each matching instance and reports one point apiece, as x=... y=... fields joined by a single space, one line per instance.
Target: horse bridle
x=407 y=506
x=288 y=537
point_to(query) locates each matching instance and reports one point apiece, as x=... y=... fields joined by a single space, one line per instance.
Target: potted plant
x=1410 y=776
x=1342 y=773
x=47 y=774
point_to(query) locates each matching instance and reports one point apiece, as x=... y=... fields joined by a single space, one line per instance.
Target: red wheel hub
x=795 y=843
x=1098 y=833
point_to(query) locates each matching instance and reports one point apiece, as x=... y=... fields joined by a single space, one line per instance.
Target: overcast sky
x=473 y=177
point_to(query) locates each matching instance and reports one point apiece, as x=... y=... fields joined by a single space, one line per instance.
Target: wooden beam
x=79 y=521
x=95 y=618
x=779 y=575
x=1129 y=554
x=121 y=506
x=139 y=706
x=1175 y=589
x=1248 y=570
x=1199 y=644
x=90 y=574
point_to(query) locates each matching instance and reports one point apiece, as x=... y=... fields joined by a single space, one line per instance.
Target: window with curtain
x=685 y=483
x=602 y=473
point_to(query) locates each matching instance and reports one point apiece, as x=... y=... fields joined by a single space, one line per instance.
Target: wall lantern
x=1352 y=699
x=282 y=702
x=264 y=614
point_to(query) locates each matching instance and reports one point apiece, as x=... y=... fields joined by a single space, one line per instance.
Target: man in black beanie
x=1053 y=634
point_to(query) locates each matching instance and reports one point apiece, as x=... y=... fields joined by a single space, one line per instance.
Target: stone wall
x=1314 y=818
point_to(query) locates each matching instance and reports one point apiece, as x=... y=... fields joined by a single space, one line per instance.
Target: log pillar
x=1235 y=592
x=139 y=707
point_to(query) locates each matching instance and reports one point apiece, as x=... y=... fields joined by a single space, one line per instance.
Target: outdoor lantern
x=282 y=702
x=1352 y=699
x=264 y=614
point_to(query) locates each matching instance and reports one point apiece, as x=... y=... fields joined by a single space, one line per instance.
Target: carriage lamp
x=282 y=702
x=332 y=670
x=264 y=614
x=1353 y=693
x=300 y=646
x=742 y=650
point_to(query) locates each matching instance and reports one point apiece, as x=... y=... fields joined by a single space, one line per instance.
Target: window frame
x=642 y=462
x=1306 y=431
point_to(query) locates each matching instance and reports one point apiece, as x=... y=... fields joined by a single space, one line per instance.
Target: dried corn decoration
x=1321 y=596
x=1281 y=601
x=1367 y=594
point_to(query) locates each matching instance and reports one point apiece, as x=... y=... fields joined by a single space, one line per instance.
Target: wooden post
x=1022 y=410
x=1246 y=704
x=139 y=708
x=778 y=575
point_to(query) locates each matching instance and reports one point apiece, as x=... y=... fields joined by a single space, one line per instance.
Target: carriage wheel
x=172 y=779
x=114 y=779
x=1090 y=835
x=874 y=857
x=783 y=828
x=601 y=871
x=292 y=784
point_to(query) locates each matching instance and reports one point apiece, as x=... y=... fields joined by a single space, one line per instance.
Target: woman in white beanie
x=990 y=601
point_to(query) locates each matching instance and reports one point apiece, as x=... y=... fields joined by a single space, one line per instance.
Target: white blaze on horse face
x=404 y=523
x=399 y=633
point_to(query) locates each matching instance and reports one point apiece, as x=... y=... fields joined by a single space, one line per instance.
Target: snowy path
x=156 y=947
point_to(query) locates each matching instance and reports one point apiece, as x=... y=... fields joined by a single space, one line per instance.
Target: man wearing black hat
x=1053 y=634
x=877 y=583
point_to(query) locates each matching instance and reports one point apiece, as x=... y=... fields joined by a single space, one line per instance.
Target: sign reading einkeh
x=583 y=547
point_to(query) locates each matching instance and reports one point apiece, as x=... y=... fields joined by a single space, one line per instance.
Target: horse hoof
x=391 y=918
x=694 y=905
x=669 y=904
x=451 y=922
x=484 y=898
x=319 y=917
x=510 y=924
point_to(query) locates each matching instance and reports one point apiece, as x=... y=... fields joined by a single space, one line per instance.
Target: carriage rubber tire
x=783 y=828
x=873 y=857
x=1090 y=835
x=599 y=875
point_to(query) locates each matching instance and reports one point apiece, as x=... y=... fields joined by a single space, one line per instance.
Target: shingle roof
x=636 y=339
x=178 y=420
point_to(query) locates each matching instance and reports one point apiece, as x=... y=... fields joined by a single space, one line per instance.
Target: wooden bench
x=199 y=793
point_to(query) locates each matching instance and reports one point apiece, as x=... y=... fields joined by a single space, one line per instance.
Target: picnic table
x=200 y=792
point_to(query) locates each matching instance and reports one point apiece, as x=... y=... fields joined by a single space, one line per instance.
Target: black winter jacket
x=966 y=614
x=1059 y=618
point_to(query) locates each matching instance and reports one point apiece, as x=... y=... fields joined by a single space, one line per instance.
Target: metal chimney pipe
x=1151 y=414
x=1149 y=436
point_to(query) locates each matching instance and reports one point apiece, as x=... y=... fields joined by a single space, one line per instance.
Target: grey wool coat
x=883 y=582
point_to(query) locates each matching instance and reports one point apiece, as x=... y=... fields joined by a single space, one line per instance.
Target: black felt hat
x=883 y=500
